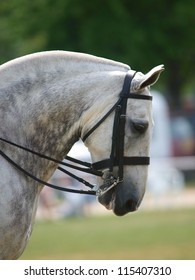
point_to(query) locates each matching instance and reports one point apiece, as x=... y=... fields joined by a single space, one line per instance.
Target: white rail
x=181 y=163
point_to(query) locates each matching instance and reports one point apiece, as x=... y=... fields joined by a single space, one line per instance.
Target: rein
x=117 y=150
x=87 y=169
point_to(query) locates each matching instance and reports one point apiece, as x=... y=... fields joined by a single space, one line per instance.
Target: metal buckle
x=111 y=183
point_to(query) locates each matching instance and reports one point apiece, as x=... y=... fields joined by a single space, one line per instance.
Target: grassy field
x=142 y=235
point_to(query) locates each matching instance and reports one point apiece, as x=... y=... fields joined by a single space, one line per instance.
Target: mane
x=71 y=62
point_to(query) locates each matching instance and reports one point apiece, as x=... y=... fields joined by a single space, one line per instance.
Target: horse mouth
x=111 y=202
x=110 y=205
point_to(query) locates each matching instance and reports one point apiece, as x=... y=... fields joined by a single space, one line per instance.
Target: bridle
x=116 y=158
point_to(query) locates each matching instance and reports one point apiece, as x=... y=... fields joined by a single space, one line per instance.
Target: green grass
x=142 y=235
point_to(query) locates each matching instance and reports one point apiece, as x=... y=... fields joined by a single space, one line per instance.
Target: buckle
x=108 y=185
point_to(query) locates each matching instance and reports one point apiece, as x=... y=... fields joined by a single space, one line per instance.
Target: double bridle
x=117 y=157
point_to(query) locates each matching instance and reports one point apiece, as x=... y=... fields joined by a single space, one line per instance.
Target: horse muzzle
x=121 y=199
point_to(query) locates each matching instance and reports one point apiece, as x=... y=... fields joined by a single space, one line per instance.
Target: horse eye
x=139 y=125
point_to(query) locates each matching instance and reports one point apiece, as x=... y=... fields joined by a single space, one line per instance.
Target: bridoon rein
x=117 y=157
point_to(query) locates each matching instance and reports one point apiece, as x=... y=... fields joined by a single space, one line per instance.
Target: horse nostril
x=131 y=205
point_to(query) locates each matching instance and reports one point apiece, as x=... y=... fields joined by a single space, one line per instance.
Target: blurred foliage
x=139 y=33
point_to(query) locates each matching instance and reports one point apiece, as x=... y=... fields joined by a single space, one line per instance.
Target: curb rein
x=117 y=150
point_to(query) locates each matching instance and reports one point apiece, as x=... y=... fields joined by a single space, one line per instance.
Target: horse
x=48 y=101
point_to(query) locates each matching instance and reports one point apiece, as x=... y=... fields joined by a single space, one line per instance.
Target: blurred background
x=141 y=34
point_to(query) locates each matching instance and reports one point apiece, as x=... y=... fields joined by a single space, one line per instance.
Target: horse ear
x=151 y=77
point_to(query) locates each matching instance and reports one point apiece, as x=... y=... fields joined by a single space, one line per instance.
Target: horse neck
x=47 y=123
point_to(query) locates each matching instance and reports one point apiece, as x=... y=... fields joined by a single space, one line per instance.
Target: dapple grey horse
x=48 y=101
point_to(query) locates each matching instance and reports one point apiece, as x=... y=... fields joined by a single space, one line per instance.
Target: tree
x=139 y=33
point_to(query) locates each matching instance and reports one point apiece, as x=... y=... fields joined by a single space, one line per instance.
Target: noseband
x=117 y=158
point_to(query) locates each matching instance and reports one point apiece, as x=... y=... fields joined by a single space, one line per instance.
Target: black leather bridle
x=117 y=157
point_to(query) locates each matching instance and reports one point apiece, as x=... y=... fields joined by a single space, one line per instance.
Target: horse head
x=127 y=191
